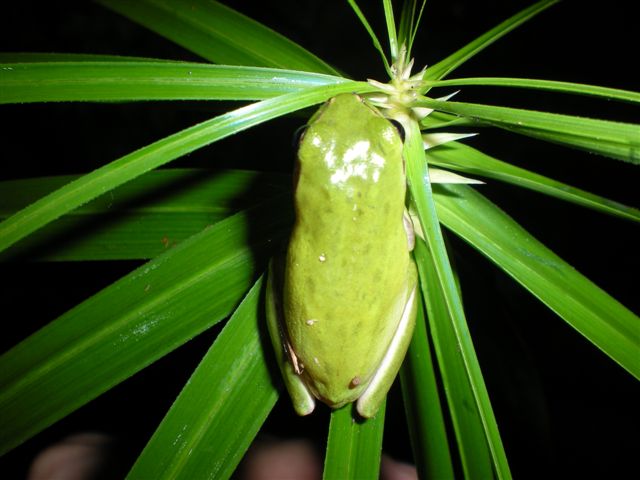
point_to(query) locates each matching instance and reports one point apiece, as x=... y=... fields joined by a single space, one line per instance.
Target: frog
x=341 y=301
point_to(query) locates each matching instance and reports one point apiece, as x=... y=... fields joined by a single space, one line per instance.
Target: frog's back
x=348 y=258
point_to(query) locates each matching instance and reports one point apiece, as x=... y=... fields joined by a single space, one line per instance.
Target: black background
x=564 y=409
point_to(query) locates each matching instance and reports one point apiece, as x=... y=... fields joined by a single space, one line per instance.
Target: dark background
x=564 y=409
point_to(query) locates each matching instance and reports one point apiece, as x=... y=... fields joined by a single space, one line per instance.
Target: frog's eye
x=399 y=127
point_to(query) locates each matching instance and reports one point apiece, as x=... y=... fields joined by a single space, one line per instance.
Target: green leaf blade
x=157 y=154
x=423 y=409
x=613 y=139
x=468 y=425
x=392 y=35
x=100 y=81
x=465 y=159
x=140 y=219
x=354 y=446
x=131 y=323
x=592 y=312
x=35 y=57
x=374 y=38
x=212 y=423
x=451 y=315
x=453 y=61
x=546 y=85
x=219 y=34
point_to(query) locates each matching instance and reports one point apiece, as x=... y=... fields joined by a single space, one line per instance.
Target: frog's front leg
x=303 y=400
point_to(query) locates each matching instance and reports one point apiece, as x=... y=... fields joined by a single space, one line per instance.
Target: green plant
x=183 y=291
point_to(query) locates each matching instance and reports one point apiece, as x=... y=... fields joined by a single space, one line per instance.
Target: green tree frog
x=341 y=304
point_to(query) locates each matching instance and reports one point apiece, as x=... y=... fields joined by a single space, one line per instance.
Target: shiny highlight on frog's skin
x=360 y=160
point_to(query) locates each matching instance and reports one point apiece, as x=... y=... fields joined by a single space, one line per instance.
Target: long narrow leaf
x=418 y=177
x=221 y=408
x=613 y=139
x=601 y=319
x=453 y=61
x=147 y=80
x=133 y=322
x=548 y=85
x=422 y=406
x=159 y=153
x=391 y=28
x=219 y=34
x=410 y=23
x=34 y=57
x=353 y=447
x=372 y=34
x=460 y=157
x=469 y=430
x=140 y=219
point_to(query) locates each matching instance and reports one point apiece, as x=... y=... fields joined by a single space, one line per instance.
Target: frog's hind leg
x=376 y=391
x=303 y=400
